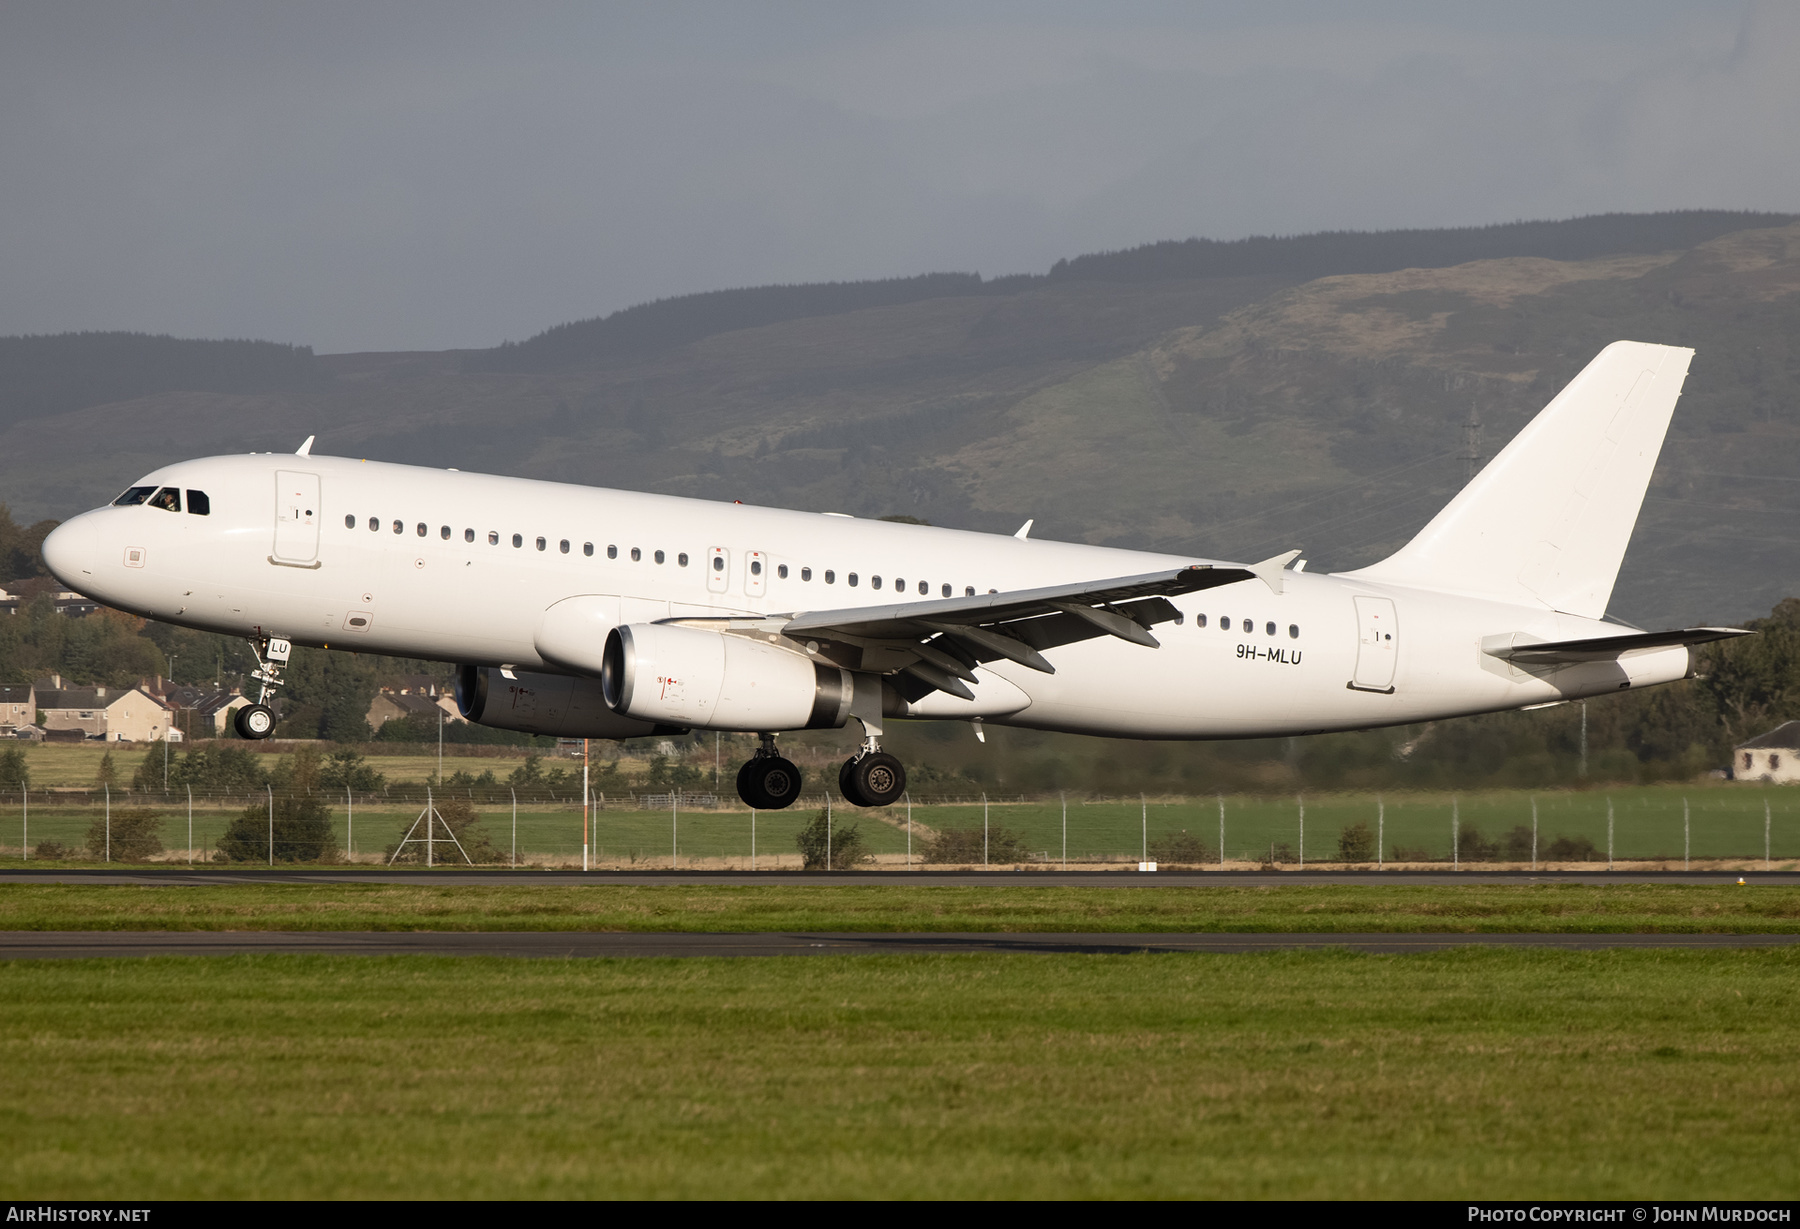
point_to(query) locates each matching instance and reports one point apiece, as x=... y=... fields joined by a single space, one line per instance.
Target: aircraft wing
x=1606 y=648
x=940 y=641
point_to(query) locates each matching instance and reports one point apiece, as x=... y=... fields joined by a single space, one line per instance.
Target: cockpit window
x=198 y=503
x=168 y=499
x=136 y=495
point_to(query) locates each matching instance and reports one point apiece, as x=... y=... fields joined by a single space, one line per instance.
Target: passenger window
x=924 y=589
x=518 y=540
x=564 y=546
x=1224 y=623
x=969 y=591
x=1199 y=620
x=399 y=528
x=1293 y=631
x=444 y=533
x=612 y=552
x=136 y=495
x=493 y=537
x=756 y=567
x=636 y=555
x=874 y=581
x=168 y=499
x=851 y=580
x=781 y=570
x=541 y=543
x=1269 y=628
x=681 y=559
x=422 y=530
x=1249 y=626
x=374 y=524
x=350 y=522
x=658 y=556
x=805 y=573
x=587 y=548
x=718 y=563
x=199 y=504
x=830 y=577
x=468 y=535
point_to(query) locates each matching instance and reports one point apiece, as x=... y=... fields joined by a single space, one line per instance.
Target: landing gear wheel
x=876 y=779
x=254 y=721
x=769 y=783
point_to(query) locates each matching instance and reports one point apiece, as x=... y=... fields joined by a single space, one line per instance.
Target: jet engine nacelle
x=552 y=704
x=695 y=677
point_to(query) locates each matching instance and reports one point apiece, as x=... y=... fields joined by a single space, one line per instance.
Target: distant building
x=413 y=696
x=205 y=712
x=18 y=708
x=113 y=714
x=1774 y=756
x=65 y=601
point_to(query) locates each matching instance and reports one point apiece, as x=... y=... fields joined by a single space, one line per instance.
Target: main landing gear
x=257 y=721
x=872 y=778
x=768 y=781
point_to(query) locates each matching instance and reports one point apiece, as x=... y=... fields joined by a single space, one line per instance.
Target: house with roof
x=1774 y=756
x=204 y=712
x=413 y=696
x=18 y=708
x=114 y=714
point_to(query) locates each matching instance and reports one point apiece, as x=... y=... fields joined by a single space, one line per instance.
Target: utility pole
x=167 y=725
x=1471 y=452
x=1581 y=768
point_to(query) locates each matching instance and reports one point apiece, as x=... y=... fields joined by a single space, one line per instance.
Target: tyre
x=779 y=780
x=254 y=721
x=847 y=784
x=879 y=780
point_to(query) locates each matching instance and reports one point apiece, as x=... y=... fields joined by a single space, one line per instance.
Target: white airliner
x=582 y=612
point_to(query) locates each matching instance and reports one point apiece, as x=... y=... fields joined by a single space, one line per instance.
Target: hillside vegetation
x=1223 y=400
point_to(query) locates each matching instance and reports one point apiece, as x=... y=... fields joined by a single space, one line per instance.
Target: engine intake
x=695 y=677
x=551 y=704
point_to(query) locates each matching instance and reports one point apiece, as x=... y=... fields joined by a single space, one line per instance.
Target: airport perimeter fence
x=1724 y=827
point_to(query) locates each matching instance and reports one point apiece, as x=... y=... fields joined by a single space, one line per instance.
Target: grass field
x=1468 y=1074
x=1660 y=823
x=1640 y=908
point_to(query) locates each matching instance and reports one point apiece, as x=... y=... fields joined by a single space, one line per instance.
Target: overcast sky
x=418 y=176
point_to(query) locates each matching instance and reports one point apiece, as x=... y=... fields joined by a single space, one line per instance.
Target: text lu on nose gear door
x=1377 y=644
x=755 y=573
x=296 y=517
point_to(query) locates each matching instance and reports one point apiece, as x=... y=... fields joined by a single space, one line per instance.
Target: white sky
x=417 y=176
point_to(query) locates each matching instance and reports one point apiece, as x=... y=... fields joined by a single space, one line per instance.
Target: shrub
x=845 y=844
x=1472 y=846
x=963 y=846
x=136 y=835
x=1413 y=853
x=1356 y=844
x=302 y=831
x=14 y=773
x=1281 y=851
x=51 y=850
x=459 y=815
x=1180 y=848
x=1515 y=846
x=1573 y=849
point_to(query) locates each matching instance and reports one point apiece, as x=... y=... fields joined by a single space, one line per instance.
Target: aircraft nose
x=70 y=551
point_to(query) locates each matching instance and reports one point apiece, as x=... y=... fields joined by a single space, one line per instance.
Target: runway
x=17 y=945
x=177 y=875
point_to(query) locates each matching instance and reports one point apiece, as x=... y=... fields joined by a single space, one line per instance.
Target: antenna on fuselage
x=305 y=450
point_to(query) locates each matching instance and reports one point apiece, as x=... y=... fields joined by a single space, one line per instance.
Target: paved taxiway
x=16 y=945
x=175 y=875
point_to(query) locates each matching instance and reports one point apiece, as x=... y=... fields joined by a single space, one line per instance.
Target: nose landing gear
x=257 y=721
x=768 y=781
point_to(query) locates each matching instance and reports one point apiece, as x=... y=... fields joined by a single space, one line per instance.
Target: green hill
x=1219 y=399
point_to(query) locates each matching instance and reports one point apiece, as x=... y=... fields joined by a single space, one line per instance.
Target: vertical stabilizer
x=1547 y=521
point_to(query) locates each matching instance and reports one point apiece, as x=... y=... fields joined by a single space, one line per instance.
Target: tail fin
x=1547 y=521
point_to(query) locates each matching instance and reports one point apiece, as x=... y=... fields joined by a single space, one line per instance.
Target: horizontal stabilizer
x=1599 y=648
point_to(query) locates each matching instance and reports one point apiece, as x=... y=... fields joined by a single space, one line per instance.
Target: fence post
x=1301 y=798
x=674 y=830
x=1609 y=834
x=349 y=821
x=1380 y=831
x=1534 y=826
x=1143 y=803
x=271 y=825
x=1455 y=835
x=1765 y=834
x=828 y=827
x=984 y=829
x=108 y=790
x=515 y=826
x=25 y=820
x=1065 y=834
x=190 y=790
x=753 y=836
x=1221 y=831
x=1687 y=837
x=908 y=829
